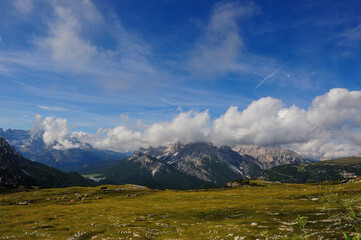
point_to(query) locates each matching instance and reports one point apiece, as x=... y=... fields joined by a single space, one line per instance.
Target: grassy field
x=267 y=211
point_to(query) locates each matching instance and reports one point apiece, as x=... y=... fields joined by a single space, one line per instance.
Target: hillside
x=265 y=211
x=150 y=172
x=314 y=172
x=11 y=173
x=16 y=170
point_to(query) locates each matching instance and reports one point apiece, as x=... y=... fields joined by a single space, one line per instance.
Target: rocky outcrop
x=270 y=157
x=233 y=184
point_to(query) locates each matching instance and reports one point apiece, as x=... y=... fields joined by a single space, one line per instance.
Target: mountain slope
x=147 y=171
x=16 y=170
x=314 y=172
x=11 y=174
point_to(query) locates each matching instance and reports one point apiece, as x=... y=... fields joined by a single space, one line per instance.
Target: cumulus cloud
x=329 y=128
x=186 y=127
x=55 y=132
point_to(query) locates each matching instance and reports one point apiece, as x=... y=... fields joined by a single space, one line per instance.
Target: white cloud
x=24 y=6
x=65 y=44
x=55 y=132
x=186 y=127
x=218 y=50
x=37 y=125
x=329 y=127
x=51 y=108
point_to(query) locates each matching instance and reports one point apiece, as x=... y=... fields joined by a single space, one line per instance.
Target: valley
x=180 y=120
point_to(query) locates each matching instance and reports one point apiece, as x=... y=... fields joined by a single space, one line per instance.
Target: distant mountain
x=206 y=161
x=73 y=158
x=314 y=172
x=270 y=157
x=16 y=138
x=16 y=170
x=32 y=146
x=148 y=171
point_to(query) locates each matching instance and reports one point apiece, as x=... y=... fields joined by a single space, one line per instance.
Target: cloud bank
x=329 y=128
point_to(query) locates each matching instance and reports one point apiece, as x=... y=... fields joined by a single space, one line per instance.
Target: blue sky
x=103 y=64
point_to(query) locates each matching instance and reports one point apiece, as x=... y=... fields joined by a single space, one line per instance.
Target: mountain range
x=177 y=165
x=202 y=164
x=31 y=145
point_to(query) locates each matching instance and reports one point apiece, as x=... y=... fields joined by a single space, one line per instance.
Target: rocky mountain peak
x=6 y=150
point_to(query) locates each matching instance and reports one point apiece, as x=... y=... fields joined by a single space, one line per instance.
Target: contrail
x=270 y=75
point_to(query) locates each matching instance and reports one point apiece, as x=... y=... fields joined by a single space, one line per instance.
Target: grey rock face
x=147 y=163
x=205 y=161
x=270 y=157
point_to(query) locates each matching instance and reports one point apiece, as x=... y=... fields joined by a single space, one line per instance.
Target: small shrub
x=302 y=222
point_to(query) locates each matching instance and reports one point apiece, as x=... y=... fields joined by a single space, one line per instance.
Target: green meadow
x=262 y=211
